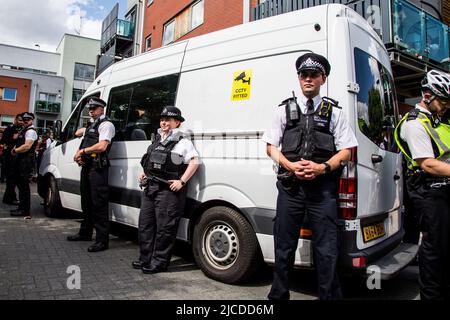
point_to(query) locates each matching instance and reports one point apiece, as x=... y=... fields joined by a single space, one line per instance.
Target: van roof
x=238 y=42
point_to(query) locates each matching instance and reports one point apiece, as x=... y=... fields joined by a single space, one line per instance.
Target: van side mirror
x=58 y=130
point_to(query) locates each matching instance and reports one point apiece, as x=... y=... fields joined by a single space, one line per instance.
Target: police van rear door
x=379 y=162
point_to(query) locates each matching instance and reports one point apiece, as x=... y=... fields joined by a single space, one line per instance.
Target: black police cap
x=313 y=62
x=27 y=116
x=95 y=102
x=172 y=112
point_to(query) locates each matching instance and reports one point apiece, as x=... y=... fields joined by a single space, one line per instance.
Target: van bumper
x=395 y=261
x=391 y=256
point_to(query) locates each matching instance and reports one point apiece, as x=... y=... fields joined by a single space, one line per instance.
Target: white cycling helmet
x=438 y=82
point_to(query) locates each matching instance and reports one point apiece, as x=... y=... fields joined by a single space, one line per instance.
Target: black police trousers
x=317 y=199
x=23 y=172
x=94 y=203
x=434 y=251
x=161 y=210
x=9 y=165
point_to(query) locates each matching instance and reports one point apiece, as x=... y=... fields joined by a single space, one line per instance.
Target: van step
x=396 y=260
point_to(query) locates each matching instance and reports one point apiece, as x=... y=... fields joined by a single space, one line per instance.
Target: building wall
x=218 y=14
x=23 y=86
x=74 y=49
x=39 y=83
x=446 y=12
x=29 y=58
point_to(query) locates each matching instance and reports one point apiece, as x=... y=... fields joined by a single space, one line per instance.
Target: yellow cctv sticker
x=241 y=85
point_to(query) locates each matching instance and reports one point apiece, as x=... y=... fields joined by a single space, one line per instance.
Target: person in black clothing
x=315 y=137
x=9 y=141
x=92 y=156
x=170 y=161
x=25 y=163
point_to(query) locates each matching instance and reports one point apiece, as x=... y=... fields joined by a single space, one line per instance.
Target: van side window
x=377 y=110
x=134 y=108
x=76 y=121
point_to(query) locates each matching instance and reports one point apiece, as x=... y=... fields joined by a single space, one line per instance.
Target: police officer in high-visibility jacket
x=425 y=141
x=23 y=169
x=92 y=156
x=315 y=138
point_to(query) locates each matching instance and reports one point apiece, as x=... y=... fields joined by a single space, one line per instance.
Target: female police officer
x=315 y=138
x=168 y=165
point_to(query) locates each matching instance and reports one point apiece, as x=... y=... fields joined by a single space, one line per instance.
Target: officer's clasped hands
x=307 y=170
x=175 y=185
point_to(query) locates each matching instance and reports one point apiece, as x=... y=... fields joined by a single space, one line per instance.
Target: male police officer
x=9 y=139
x=25 y=152
x=93 y=157
x=425 y=142
x=315 y=138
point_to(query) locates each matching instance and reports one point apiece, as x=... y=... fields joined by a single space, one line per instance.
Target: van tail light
x=347 y=198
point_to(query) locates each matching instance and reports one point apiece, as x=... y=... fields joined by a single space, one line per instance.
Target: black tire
x=52 y=202
x=225 y=245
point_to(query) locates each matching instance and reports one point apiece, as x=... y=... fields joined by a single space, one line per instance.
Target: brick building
x=170 y=21
x=14 y=97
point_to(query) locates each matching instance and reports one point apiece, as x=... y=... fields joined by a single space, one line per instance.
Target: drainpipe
x=245 y=11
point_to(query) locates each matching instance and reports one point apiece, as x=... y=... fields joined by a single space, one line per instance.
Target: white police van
x=227 y=84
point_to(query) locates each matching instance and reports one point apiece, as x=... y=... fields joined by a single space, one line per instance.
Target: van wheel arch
x=224 y=244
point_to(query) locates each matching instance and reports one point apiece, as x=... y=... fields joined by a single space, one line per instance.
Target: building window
x=50 y=97
x=8 y=94
x=169 y=31
x=148 y=43
x=6 y=120
x=149 y=2
x=84 y=72
x=197 y=14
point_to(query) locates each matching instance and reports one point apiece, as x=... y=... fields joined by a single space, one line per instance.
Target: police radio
x=292 y=107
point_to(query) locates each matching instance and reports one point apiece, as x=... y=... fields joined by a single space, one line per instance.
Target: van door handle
x=376 y=158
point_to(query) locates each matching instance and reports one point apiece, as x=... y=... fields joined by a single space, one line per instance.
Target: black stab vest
x=21 y=140
x=309 y=135
x=160 y=161
x=91 y=137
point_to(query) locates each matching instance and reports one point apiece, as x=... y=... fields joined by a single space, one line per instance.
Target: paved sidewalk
x=34 y=258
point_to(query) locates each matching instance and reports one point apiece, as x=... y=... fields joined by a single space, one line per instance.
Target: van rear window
x=376 y=108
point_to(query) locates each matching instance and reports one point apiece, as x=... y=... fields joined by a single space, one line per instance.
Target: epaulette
x=286 y=101
x=413 y=114
x=333 y=102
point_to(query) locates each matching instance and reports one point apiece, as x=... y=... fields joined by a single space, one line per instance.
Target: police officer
x=9 y=140
x=425 y=142
x=25 y=163
x=92 y=156
x=171 y=160
x=315 y=138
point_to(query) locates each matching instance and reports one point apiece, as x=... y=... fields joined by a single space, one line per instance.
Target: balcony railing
x=419 y=34
x=402 y=25
x=120 y=28
x=47 y=107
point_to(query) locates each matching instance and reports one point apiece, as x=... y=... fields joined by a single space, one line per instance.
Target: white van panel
x=237 y=43
x=158 y=62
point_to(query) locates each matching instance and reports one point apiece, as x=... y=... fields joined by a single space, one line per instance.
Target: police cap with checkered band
x=313 y=62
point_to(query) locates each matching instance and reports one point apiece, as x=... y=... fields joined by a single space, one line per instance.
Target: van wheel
x=225 y=246
x=52 y=202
